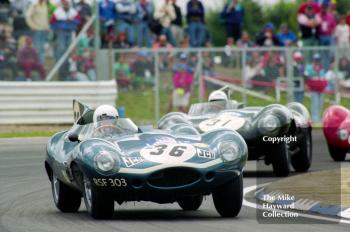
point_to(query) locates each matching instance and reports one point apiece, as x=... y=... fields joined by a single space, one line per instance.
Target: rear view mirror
x=74 y=138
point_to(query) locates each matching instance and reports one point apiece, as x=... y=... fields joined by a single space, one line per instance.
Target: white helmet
x=217 y=95
x=105 y=112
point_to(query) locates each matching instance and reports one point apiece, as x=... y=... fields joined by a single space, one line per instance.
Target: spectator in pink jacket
x=328 y=24
x=28 y=60
x=182 y=84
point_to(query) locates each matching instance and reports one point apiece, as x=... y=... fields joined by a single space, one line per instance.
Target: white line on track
x=256 y=206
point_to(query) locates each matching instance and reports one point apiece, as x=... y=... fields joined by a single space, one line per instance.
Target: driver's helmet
x=105 y=116
x=217 y=95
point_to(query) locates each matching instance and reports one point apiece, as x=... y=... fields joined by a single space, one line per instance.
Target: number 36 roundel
x=222 y=122
x=168 y=153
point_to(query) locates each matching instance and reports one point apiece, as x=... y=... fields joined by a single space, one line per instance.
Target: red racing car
x=336 y=128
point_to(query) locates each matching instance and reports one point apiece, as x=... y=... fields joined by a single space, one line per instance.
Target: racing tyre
x=66 y=199
x=336 y=153
x=228 y=198
x=190 y=203
x=280 y=159
x=301 y=161
x=99 y=206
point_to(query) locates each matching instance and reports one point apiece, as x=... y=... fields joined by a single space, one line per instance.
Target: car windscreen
x=207 y=108
x=105 y=129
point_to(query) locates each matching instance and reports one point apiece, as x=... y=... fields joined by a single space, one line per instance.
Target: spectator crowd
x=33 y=30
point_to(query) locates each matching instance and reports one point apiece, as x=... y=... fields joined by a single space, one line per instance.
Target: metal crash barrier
x=50 y=102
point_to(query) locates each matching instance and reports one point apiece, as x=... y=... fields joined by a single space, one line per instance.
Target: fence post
x=290 y=76
x=156 y=87
x=243 y=64
x=336 y=70
x=200 y=76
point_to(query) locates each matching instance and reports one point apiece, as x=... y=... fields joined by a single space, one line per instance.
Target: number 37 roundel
x=168 y=153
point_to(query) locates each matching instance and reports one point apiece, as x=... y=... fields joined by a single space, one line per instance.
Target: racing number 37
x=176 y=151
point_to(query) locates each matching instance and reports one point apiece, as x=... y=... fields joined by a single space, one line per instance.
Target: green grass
x=26 y=134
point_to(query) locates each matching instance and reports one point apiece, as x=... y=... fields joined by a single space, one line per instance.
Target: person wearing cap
x=309 y=24
x=315 y=71
x=267 y=37
x=182 y=86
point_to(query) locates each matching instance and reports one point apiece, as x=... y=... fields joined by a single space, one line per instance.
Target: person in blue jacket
x=233 y=17
x=195 y=19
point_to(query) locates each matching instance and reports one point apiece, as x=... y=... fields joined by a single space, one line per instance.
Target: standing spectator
x=286 y=37
x=38 y=21
x=122 y=72
x=315 y=74
x=84 y=10
x=309 y=23
x=145 y=11
x=166 y=14
x=229 y=54
x=28 y=60
x=177 y=24
x=126 y=11
x=64 y=23
x=233 y=16
x=328 y=25
x=20 y=27
x=4 y=10
x=195 y=19
x=267 y=37
x=309 y=3
x=108 y=15
x=182 y=85
x=342 y=33
x=245 y=41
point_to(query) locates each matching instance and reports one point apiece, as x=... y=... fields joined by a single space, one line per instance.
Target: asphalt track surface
x=26 y=203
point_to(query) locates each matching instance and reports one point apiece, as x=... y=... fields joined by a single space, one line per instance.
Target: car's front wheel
x=301 y=160
x=99 y=205
x=280 y=159
x=337 y=154
x=228 y=197
x=190 y=203
x=66 y=199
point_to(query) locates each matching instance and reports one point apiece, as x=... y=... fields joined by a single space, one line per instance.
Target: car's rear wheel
x=280 y=159
x=228 y=197
x=99 y=205
x=301 y=160
x=190 y=203
x=66 y=199
x=337 y=154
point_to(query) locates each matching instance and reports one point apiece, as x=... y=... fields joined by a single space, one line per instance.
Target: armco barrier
x=50 y=102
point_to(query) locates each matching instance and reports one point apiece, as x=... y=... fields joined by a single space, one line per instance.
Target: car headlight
x=343 y=134
x=105 y=161
x=229 y=151
x=269 y=123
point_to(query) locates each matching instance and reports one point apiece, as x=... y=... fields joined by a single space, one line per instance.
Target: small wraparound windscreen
x=106 y=129
x=207 y=108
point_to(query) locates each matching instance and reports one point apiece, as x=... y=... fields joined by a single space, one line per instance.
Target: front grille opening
x=173 y=177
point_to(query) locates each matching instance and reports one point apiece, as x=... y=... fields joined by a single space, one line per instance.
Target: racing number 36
x=176 y=151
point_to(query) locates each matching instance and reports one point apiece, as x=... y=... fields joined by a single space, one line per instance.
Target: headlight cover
x=105 y=162
x=229 y=151
x=343 y=134
x=269 y=123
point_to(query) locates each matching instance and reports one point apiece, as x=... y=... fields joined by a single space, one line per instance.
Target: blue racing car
x=105 y=159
